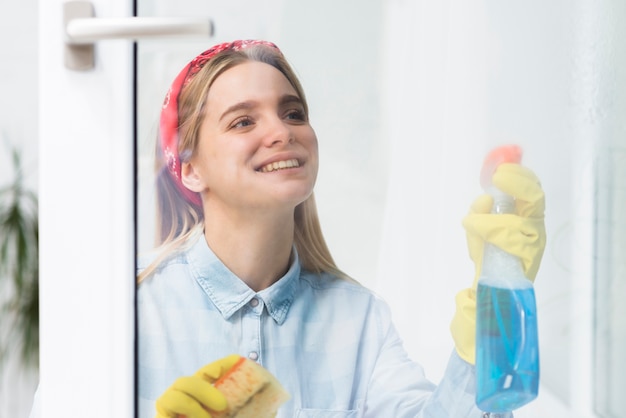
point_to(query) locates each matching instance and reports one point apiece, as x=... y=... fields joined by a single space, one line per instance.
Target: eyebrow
x=290 y=98
x=249 y=104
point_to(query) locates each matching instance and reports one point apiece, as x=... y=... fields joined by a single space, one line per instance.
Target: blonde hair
x=178 y=220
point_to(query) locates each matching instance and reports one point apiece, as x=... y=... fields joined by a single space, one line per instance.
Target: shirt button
x=254 y=302
x=253 y=355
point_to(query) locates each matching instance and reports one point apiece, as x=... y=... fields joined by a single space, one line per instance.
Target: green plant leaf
x=19 y=262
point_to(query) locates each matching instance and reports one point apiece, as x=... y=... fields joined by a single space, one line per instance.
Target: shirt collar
x=229 y=293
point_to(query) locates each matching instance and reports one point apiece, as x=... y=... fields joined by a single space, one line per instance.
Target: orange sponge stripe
x=230 y=371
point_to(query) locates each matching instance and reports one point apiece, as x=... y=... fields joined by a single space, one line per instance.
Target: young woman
x=242 y=266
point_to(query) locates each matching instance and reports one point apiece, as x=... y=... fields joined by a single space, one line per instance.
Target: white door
x=86 y=223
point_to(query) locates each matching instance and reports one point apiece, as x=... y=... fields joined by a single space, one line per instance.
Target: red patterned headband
x=169 y=123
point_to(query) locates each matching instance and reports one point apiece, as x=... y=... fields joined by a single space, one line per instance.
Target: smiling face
x=256 y=148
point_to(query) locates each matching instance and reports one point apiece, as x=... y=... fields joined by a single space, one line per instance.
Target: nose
x=278 y=132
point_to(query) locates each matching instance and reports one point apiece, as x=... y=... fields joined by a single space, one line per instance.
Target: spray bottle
x=507 y=352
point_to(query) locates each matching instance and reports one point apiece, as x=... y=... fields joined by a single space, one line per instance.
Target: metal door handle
x=87 y=31
x=82 y=29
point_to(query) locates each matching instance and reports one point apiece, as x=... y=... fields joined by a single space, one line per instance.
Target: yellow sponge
x=250 y=391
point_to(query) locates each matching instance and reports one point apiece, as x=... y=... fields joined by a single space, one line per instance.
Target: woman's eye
x=296 y=115
x=241 y=122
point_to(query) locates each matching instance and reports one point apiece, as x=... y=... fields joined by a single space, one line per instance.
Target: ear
x=190 y=177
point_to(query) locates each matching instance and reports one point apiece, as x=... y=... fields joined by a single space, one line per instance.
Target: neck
x=257 y=249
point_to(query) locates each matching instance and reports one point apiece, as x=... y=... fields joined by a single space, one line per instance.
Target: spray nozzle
x=495 y=157
x=503 y=203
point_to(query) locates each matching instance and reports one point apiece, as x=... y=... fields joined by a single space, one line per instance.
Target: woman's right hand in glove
x=195 y=396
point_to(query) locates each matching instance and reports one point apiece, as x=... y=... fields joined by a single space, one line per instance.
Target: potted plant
x=19 y=269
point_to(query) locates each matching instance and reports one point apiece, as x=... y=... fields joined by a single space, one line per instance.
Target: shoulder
x=330 y=282
x=348 y=291
x=171 y=255
x=147 y=259
x=345 y=303
x=155 y=272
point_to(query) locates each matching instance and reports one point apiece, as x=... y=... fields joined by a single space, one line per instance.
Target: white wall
x=18 y=81
x=18 y=127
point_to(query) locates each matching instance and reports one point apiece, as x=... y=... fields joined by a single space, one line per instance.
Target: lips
x=279 y=165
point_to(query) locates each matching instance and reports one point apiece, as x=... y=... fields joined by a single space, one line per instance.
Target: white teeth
x=279 y=165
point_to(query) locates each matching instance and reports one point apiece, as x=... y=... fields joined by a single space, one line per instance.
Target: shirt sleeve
x=399 y=387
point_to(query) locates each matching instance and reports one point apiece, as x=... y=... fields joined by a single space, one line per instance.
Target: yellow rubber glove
x=522 y=234
x=195 y=396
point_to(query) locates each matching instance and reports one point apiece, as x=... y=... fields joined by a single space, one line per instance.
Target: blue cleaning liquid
x=507 y=352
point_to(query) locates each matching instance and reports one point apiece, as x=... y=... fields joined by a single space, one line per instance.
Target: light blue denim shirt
x=330 y=342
